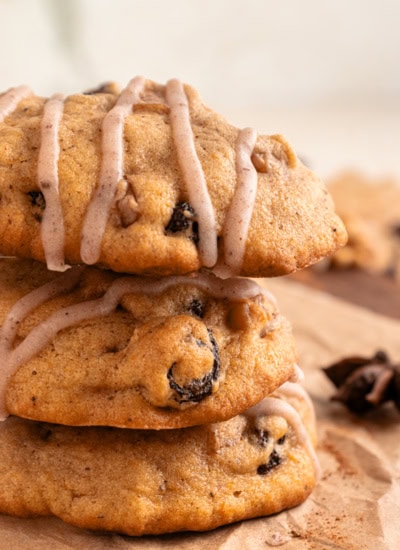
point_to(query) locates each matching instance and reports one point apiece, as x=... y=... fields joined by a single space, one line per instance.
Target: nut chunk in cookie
x=150 y=181
x=91 y=347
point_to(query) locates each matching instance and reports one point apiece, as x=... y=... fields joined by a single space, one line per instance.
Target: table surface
x=378 y=293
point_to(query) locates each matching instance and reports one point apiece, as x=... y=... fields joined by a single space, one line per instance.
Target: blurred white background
x=325 y=73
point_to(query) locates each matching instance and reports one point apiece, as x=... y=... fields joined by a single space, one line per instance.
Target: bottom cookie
x=152 y=482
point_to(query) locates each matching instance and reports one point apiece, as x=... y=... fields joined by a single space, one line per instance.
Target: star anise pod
x=365 y=383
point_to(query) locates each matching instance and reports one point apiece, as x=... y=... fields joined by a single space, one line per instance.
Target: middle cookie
x=90 y=347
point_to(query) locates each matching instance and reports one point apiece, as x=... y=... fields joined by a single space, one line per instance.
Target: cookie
x=92 y=347
x=143 y=482
x=151 y=181
x=370 y=211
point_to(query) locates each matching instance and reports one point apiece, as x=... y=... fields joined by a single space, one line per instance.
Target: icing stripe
x=52 y=226
x=42 y=334
x=271 y=406
x=111 y=171
x=192 y=171
x=292 y=389
x=9 y=101
x=239 y=214
x=17 y=314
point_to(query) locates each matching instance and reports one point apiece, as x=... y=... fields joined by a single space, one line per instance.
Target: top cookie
x=151 y=181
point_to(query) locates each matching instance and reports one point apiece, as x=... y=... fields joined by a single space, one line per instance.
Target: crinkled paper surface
x=356 y=504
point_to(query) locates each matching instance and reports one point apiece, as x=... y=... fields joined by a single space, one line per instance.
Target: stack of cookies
x=146 y=385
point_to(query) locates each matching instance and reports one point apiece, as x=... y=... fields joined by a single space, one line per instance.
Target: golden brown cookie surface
x=135 y=352
x=163 y=187
x=144 y=482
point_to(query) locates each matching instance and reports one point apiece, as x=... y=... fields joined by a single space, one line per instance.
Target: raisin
x=274 y=460
x=197 y=308
x=37 y=199
x=199 y=388
x=44 y=433
x=262 y=437
x=182 y=221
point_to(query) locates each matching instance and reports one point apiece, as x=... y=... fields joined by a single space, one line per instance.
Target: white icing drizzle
x=52 y=226
x=292 y=389
x=42 y=334
x=9 y=101
x=192 y=171
x=16 y=315
x=111 y=171
x=238 y=217
x=239 y=214
x=271 y=406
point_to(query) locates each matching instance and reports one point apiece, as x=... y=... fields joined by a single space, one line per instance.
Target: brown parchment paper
x=356 y=504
